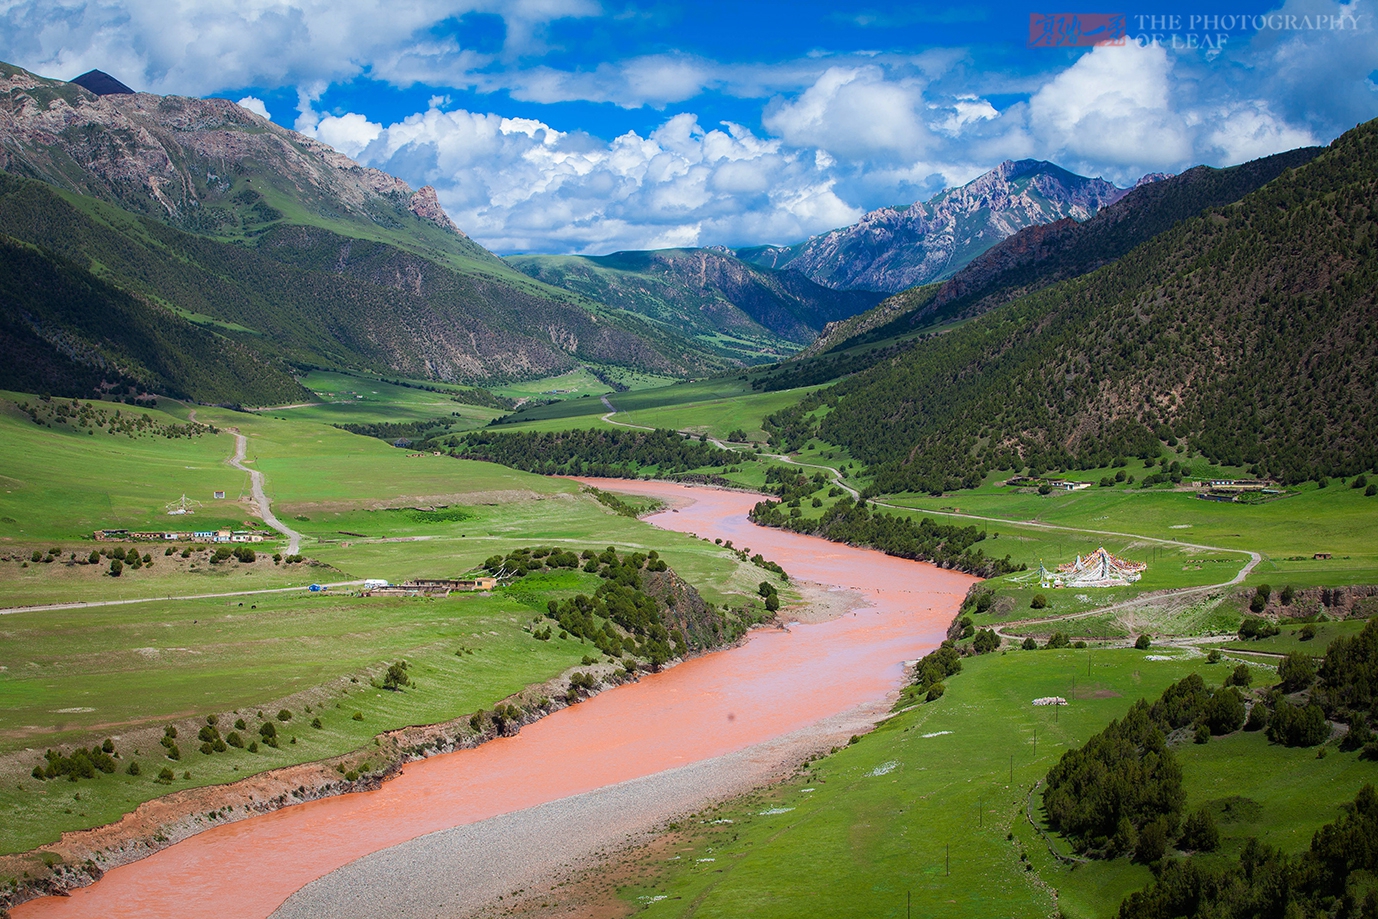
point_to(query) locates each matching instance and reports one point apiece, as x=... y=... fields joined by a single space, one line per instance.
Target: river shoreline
x=848 y=662
x=86 y=855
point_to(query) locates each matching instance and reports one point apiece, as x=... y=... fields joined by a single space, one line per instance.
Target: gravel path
x=458 y=872
x=241 y=447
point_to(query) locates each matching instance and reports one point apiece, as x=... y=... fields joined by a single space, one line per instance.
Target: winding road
x=241 y=447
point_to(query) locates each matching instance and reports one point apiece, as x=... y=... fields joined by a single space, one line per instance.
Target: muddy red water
x=776 y=682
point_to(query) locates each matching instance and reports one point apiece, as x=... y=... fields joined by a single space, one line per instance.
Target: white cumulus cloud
x=255 y=105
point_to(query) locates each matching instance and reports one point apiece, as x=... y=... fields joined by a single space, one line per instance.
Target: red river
x=776 y=682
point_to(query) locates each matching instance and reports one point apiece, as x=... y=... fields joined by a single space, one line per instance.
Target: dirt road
x=241 y=447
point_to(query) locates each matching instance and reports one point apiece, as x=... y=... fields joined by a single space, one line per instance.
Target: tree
x=1199 y=833
x=1029 y=644
x=116 y=567
x=1224 y=713
x=1058 y=640
x=986 y=641
x=1142 y=642
x=1295 y=726
x=1296 y=672
x=1104 y=795
x=1241 y=676
x=1254 y=627
x=396 y=677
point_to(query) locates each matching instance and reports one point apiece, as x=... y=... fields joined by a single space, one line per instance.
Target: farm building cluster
x=427 y=587
x=1230 y=491
x=220 y=536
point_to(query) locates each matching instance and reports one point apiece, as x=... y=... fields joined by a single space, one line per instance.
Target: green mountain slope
x=64 y=331
x=1041 y=255
x=739 y=310
x=313 y=297
x=287 y=247
x=1248 y=333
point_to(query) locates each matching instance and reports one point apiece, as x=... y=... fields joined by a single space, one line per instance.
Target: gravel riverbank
x=464 y=871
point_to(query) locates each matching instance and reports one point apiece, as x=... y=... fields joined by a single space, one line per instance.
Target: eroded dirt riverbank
x=777 y=684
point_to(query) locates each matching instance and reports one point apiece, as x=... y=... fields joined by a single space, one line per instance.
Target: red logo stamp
x=1075 y=30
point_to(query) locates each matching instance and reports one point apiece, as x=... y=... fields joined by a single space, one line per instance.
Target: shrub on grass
x=116 y=567
x=358 y=716
x=234 y=740
x=1029 y=644
x=284 y=715
x=396 y=677
x=935 y=692
x=1039 y=601
x=1306 y=632
x=1142 y=643
x=1253 y=628
x=1214 y=656
x=1057 y=640
x=316 y=723
x=1241 y=676
x=133 y=767
x=253 y=746
x=1105 y=795
x=166 y=775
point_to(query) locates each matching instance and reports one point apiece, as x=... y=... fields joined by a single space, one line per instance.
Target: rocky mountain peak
x=206 y=165
x=894 y=248
x=102 y=84
x=426 y=205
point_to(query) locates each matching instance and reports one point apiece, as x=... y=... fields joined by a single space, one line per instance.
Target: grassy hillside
x=934 y=805
x=310 y=297
x=68 y=332
x=1246 y=334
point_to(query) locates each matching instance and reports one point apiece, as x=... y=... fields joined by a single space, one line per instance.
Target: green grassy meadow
x=71 y=676
x=365 y=508
x=857 y=832
x=60 y=484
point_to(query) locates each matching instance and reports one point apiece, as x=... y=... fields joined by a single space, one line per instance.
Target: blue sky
x=595 y=125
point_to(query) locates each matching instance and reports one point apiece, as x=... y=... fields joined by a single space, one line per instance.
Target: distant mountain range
x=741 y=311
x=1041 y=255
x=205 y=215
x=1243 y=332
x=895 y=248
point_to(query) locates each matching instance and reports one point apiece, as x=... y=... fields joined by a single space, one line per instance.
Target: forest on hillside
x=1247 y=334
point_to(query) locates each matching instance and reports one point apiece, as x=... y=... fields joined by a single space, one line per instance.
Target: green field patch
x=932 y=807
